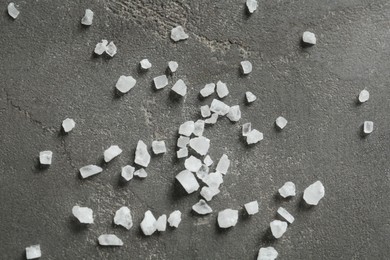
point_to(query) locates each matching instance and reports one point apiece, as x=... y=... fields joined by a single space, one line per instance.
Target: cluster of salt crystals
x=200 y=145
x=125 y=83
x=223 y=164
x=219 y=107
x=286 y=215
x=222 y=90
x=309 y=38
x=68 y=124
x=141 y=173
x=109 y=240
x=173 y=65
x=178 y=34
x=209 y=192
x=12 y=11
x=250 y=97
x=254 y=136
x=145 y=64
x=188 y=181
x=202 y=208
x=142 y=156
x=87 y=18
x=182 y=152
x=246 y=129
x=227 y=218
x=161 y=223
x=251 y=5
x=234 y=113
x=127 y=172
x=287 y=190
x=199 y=127
x=111 y=153
x=33 y=252
x=252 y=207
x=187 y=128
x=205 y=111
x=83 y=214
x=90 y=170
x=364 y=96
x=280 y=122
x=148 y=223
x=45 y=157
x=159 y=147
x=123 y=218
x=192 y=164
x=207 y=90
x=267 y=253
x=182 y=141
x=246 y=67
x=180 y=88
x=278 y=228
x=203 y=172
x=160 y=82
x=174 y=219
x=103 y=46
x=212 y=120
x=314 y=193
x=368 y=127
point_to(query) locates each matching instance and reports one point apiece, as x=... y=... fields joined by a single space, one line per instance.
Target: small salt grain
x=251 y=5
x=278 y=228
x=223 y=164
x=250 y=97
x=12 y=11
x=83 y=214
x=267 y=253
x=368 y=127
x=309 y=37
x=207 y=160
x=364 y=96
x=125 y=83
x=123 y=218
x=182 y=141
x=285 y=214
x=68 y=124
x=314 y=193
x=222 y=90
x=88 y=17
x=252 y=207
x=161 y=223
x=213 y=180
x=219 y=107
x=287 y=190
x=145 y=64
x=192 y=164
x=209 y=192
x=142 y=156
x=202 y=208
x=127 y=172
x=148 y=225
x=227 y=218
x=101 y=47
x=212 y=120
x=110 y=240
x=174 y=219
x=254 y=137
x=281 y=122
x=178 y=34
x=246 y=67
x=200 y=145
x=33 y=252
x=187 y=128
x=111 y=49
x=199 y=127
x=160 y=82
x=111 y=153
x=159 y=147
x=207 y=90
x=188 y=181
x=182 y=153
x=173 y=65
x=246 y=129
x=180 y=88
x=234 y=113
x=205 y=111
x=45 y=157
x=90 y=170
x=141 y=173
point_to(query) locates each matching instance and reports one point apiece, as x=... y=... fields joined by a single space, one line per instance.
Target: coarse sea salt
x=12 y=11
x=111 y=153
x=109 y=240
x=111 y=49
x=187 y=128
x=285 y=214
x=314 y=193
x=188 y=181
x=209 y=192
x=127 y=172
x=182 y=141
x=199 y=127
x=222 y=90
x=267 y=253
x=212 y=120
x=87 y=18
x=368 y=127
x=207 y=90
x=252 y=207
x=45 y=157
x=246 y=129
x=148 y=225
x=227 y=218
x=173 y=65
x=83 y=214
x=251 y=5
x=161 y=223
x=287 y=190
x=178 y=34
x=202 y=208
x=219 y=107
x=254 y=137
x=90 y=170
x=142 y=156
x=141 y=173
x=234 y=113
x=205 y=111
x=33 y=252
x=123 y=218
x=309 y=38
x=213 y=180
x=125 y=83
x=159 y=147
x=182 y=152
x=145 y=64
x=192 y=164
x=200 y=145
x=281 y=122
x=174 y=218
x=250 y=97
x=68 y=124
x=180 y=88
x=364 y=96
x=207 y=160
x=160 y=81
x=101 y=47
x=223 y=164
x=278 y=228
x=246 y=67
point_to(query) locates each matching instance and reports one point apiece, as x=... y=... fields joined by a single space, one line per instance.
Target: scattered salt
x=111 y=153
x=159 y=147
x=219 y=107
x=309 y=37
x=250 y=97
x=251 y=5
x=187 y=128
x=234 y=113
x=207 y=160
x=178 y=34
x=123 y=218
x=141 y=173
x=88 y=17
x=200 y=145
x=223 y=164
x=285 y=214
x=246 y=67
x=127 y=172
x=109 y=240
x=287 y=190
x=101 y=47
x=83 y=214
x=161 y=223
x=267 y=253
x=252 y=207
x=188 y=181
x=160 y=81
x=246 y=129
x=212 y=120
x=182 y=141
x=45 y=157
x=368 y=127
x=125 y=83
x=314 y=193
x=192 y=164
x=111 y=49
x=68 y=124
x=254 y=136
x=145 y=64
x=209 y=192
x=148 y=225
x=180 y=88
x=33 y=252
x=199 y=127
x=202 y=208
x=142 y=156
x=174 y=219
x=278 y=228
x=173 y=65
x=12 y=11
x=205 y=111
x=181 y=153
x=207 y=90
x=213 y=180
x=227 y=218
x=364 y=96
x=222 y=90
x=281 y=122
x=90 y=170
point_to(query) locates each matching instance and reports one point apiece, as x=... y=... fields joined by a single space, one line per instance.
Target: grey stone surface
x=48 y=73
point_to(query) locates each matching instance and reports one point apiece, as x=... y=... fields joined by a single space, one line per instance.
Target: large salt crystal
x=314 y=193
x=309 y=37
x=246 y=67
x=209 y=192
x=192 y=164
x=207 y=160
x=125 y=83
x=250 y=97
x=267 y=253
x=109 y=240
x=83 y=214
x=148 y=225
x=174 y=219
x=111 y=49
x=251 y=5
x=101 y=47
x=281 y=122
x=182 y=152
x=13 y=12
x=188 y=181
x=145 y=64
x=202 y=208
x=200 y=145
x=187 y=128
x=141 y=173
x=205 y=111
x=219 y=107
x=278 y=228
x=222 y=90
x=87 y=18
x=234 y=113
x=246 y=129
x=123 y=218
x=45 y=157
x=207 y=90
x=252 y=207
x=227 y=218
x=142 y=156
x=90 y=170
x=161 y=223
x=285 y=214
x=68 y=124
x=111 y=153
x=159 y=147
x=160 y=82
x=203 y=172
x=368 y=127
x=213 y=180
x=33 y=252
x=180 y=88
x=254 y=136
x=178 y=34
x=364 y=96
x=287 y=190
x=127 y=172
x=212 y=120
x=173 y=65
x=199 y=127
x=182 y=141
x=223 y=164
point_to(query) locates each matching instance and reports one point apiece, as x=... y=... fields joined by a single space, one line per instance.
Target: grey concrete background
x=48 y=73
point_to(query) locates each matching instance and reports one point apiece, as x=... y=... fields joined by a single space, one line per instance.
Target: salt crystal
x=142 y=156
x=90 y=170
x=127 y=172
x=309 y=37
x=212 y=120
x=159 y=147
x=123 y=218
x=207 y=160
x=68 y=124
x=145 y=64
x=182 y=141
x=141 y=173
x=12 y=11
x=227 y=218
x=199 y=127
x=207 y=90
x=287 y=190
x=148 y=225
x=101 y=47
x=223 y=164
x=267 y=253
x=200 y=145
x=45 y=157
x=203 y=172
x=187 y=128
x=209 y=192
x=254 y=136
x=109 y=240
x=250 y=97
x=214 y=179
x=278 y=228
x=83 y=214
x=178 y=34
x=192 y=164
x=368 y=127
x=33 y=252
x=246 y=129
x=251 y=5
x=285 y=214
x=246 y=67
x=181 y=153
x=314 y=193
x=188 y=181
x=364 y=96
x=88 y=17
x=234 y=113
x=111 y=49
x=161 y=223
x=125 y=83
x=202 y=208
x=111 y=153
x=219 y=107
x=160 y=81
x=281 y=122
x=173 y=65
x=222 y=90
x=252 y=207
x=180 y=88
x=174 y=219
x=205 y=111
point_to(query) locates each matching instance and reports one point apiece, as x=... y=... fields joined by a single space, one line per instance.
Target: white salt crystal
x=123 y=218
x=192 y=164
x=173 y=65
x=207 y=90
x=205 y=111
x=188 y=181
x=285 y=214
x=278 y=228
x=101 y=47
x=246 y=129
x=222 y=90
x=181 y=153
x=33 y=252
x=187 y=128
x=281 y=122
x=161 y=223
x=127 y=172
x=125 y=83
x=13 y=12
x=212 y=120
x=199 y=127
x=252 y=207
x=254 y=136
x=180 y=88
x=213 y=180
x=45 y=157
x=111 y=153
x=142 y=156
x=314 y=193
x=368 y=127
x=160 y=81
x=364 y=96
x=148 y=225
x=219 y=107
x=223 y=164
x=234 y=113
x=227 y=218
x=68 y=124
x=207 y=160
x=174 y=219
x=83 y=214
x=109 y=240
x=90 y=170
x=203 y=172
x=250 y=97
x=267 y=253
x=182 y=141
x=209 y=192
x=251 y=5
x=309 y=37
x=200 y=145
x=178 y=34
x=141 y=173
x=202 y=208
x=246 y=67
x=88 y=17
x=111 y=49
x=159 y=147
x=145 y=64
x=287 y=190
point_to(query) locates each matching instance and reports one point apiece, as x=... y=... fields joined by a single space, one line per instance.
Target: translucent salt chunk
x=145 y=64
x=285 y=214
x=180 y=88
x=181 y=153
x=160 y=81
x=309 y=37
x=173 y=65
x=212 y=120
x=252 y=207
x=68 y=124
x=267 y=253
x=187 y=128
x=200 y=145
x=161 y=223
x=278 y=228
x=88 y=17
x=364 y=96
x=368 y=127
x=90 y=170
x=192 y=164
x=223 y=164
x=83 y=214
x=174 y=219
x=148 y=225
x=141 y=173
x=142 y=156
x=246 y=129
x=251 y=5
x=178 y=34
x=45 y=157
x=111 y=49
x=202 y=208
x=199 y=127
x=254 y=136
x=281 y=122
x=125 y=83
x=250 y=97
x=109 y=240
x=112 y=152
x=234 y=113
x=222 y=90
x=203 y=172
x=227 y=218
x=205 y=111
x=314 y=193
x=182 y=141
x=213 y=180
x=33 y=252
x=13 y=12
x=101 y=47
x=287 y=190
x=207 y=160
x=219 y=107
x=188 y=181
x=246 y=67
x=207 y=90
x=127 y=172
x=123 y=218
x=209 y=192
x=159 y=147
